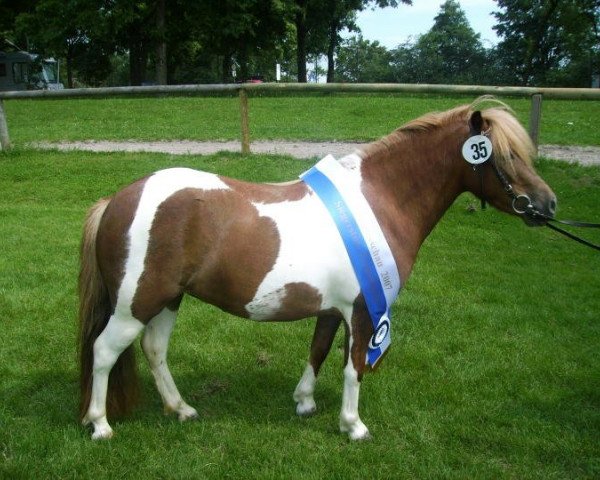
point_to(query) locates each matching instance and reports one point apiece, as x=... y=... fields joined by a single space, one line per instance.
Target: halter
x=522 y=205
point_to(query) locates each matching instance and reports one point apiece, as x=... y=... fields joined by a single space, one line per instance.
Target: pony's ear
x=476 y=122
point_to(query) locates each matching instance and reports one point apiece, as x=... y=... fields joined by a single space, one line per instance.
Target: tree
x=131 y=26
x=161 y=43
x=549 y=42
x=362 y=61
x=69 y=29
x=300 y=16
x=241 y=30
x=319 y=24
x=450 y=52
x=9 y=12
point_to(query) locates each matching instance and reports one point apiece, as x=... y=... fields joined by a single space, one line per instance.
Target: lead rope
x=521 y=204
x=534 y=213
x=529 y=209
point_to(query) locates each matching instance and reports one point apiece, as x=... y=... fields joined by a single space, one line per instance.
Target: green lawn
x=316 y=117
x=493 y=371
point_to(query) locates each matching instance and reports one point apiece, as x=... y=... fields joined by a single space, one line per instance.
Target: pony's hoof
x=356 y=432
x=360 y=436
x=102 y=433
x=306 y=408
x=187 y=413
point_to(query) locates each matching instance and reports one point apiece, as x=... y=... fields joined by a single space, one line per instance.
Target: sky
x=393 y=26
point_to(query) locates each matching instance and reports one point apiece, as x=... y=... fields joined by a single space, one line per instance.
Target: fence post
x=245 y=122
x=535 y=119
x=4 y=139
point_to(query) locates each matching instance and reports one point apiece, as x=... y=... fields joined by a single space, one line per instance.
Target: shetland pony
x=271 y=252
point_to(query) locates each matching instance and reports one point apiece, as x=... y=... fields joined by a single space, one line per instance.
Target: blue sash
x=371 y=258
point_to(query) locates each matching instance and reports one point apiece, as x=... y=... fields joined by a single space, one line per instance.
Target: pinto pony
x=272 y=252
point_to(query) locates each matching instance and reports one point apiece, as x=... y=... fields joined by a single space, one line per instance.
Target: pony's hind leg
x=325 y=330
x=155 y=343
x=118 y=334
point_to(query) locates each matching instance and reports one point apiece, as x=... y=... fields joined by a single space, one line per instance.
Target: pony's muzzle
x=535 y=212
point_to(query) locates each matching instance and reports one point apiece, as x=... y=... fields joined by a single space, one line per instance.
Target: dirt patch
x=572 y=153
x=304 y=150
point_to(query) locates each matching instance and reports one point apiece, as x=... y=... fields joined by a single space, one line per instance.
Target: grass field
x=317 y=117
x=493 y=373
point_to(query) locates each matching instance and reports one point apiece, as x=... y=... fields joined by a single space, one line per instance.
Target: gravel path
x=574 y=154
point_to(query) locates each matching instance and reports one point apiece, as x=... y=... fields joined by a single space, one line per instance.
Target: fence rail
x=535 y=93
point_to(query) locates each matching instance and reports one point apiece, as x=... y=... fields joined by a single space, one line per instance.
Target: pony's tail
x=94 y=312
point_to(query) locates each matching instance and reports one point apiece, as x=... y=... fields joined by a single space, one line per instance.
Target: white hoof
x=356 y=430
x=102 y=433
x=102 y=430
x=306 y=407
x=186 y=413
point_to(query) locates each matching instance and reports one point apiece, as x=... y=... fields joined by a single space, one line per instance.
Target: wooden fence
x=536 y=95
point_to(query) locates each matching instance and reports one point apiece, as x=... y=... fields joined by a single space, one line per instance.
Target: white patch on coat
x=352 y=162
x=158 y=188
x=311 y=251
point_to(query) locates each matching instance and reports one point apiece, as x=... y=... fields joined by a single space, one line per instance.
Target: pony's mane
x=509 y=139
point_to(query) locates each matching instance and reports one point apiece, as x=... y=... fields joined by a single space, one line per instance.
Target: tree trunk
x=535 y=42
x=226 y=65
x=161 y=46
x=243 y=61
x=69 y=67
x=137 y=62
x=333 y=39
x=300 y=21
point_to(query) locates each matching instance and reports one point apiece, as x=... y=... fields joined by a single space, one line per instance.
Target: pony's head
x=507 y=178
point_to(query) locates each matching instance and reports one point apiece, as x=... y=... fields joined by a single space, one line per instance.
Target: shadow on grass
x=256 y=394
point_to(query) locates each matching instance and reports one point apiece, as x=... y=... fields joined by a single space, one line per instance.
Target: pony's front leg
x=359 y=332
x=325 y=330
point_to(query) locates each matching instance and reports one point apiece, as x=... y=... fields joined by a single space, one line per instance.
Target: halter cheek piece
x=522 y=205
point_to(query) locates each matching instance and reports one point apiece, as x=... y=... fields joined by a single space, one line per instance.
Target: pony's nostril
x=552 y=206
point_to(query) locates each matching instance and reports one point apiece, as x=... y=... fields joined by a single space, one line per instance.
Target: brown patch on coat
x=300 y=300
x=268 y=192
x=409 y=185
x=325 y=330
x=211 y=244
x=362 y=331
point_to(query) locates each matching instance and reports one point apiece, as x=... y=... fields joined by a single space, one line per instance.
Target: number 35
x=479 y=151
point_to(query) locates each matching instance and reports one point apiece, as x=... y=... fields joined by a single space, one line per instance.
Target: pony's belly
x=312 y=272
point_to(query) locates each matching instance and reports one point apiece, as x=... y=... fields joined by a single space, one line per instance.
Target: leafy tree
x=362 y=61
x=69 y=29
x=450 y=52
x=549 y=42
x=319 y=24
x=300 y=22
x=9 y=11
x=239 y=31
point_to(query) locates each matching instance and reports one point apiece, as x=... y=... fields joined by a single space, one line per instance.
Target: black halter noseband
x=522 y=204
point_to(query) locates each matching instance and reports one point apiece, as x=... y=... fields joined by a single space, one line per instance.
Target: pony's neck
x=411 y=179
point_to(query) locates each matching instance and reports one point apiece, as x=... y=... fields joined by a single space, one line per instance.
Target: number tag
x=477 y=149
